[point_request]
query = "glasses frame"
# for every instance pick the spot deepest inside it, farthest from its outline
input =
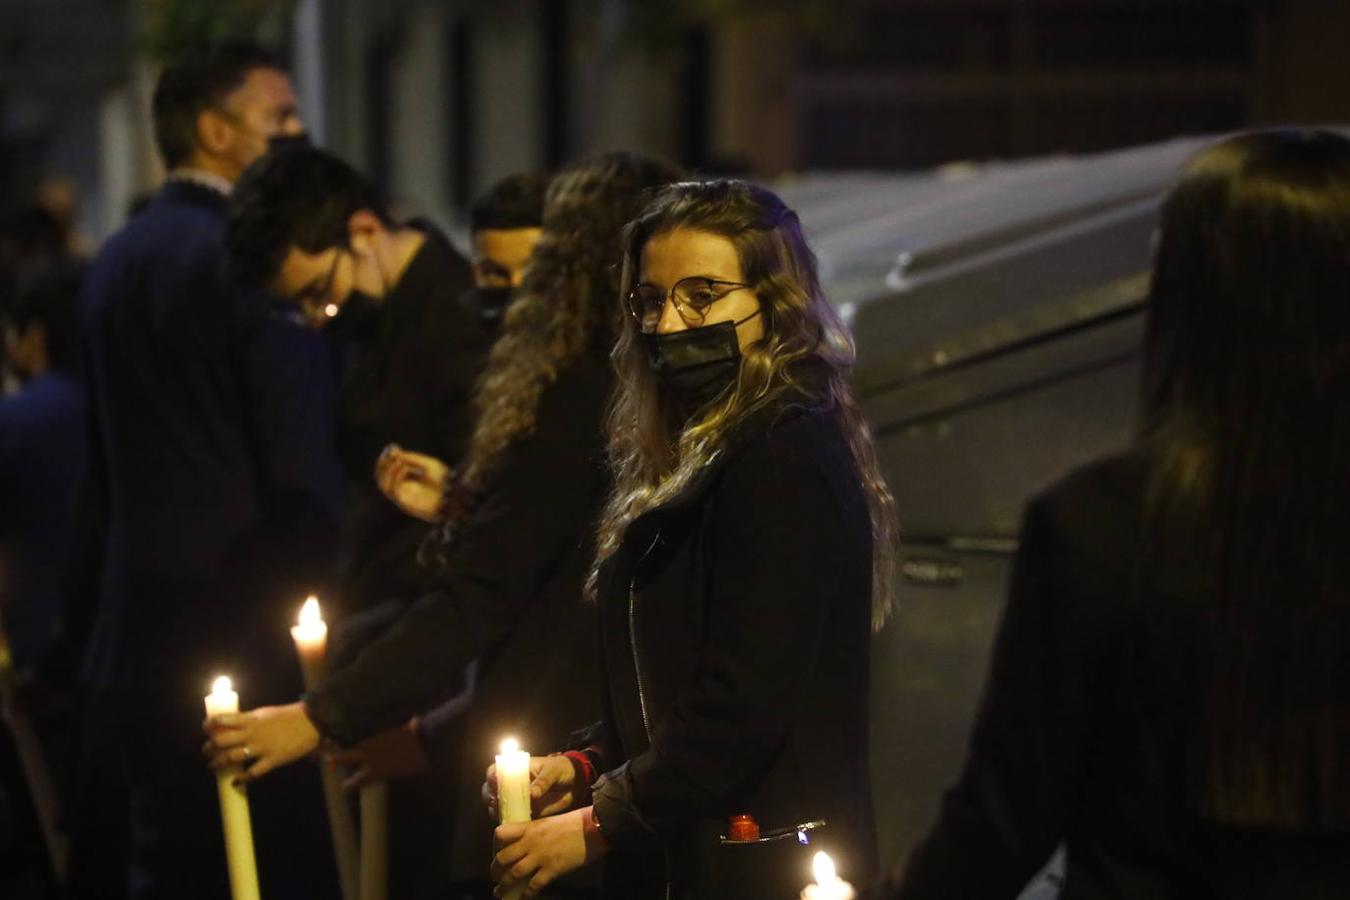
(318, 295)
(691, 315)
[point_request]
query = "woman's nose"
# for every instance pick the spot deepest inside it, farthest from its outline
(671, 320)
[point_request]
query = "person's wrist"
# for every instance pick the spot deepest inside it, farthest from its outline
(596, 842)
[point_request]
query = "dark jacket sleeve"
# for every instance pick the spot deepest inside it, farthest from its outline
(778, 523)
(1004, 817)
(506, 552)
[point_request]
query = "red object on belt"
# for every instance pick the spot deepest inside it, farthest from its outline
(742, 828)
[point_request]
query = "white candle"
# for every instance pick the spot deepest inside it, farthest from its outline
(234, 816)
(513, 782)
(374, 841)
(513, 790)
(310, 634)
(828, 886)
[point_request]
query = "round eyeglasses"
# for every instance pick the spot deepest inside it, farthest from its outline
(692, 296)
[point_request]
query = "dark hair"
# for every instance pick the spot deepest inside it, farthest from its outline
(567, 308)
(46, 293)
(517, 201)
(1247, 427)
(295, 197)
(198, 80)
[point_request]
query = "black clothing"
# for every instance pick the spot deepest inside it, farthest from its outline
(1080, 740)
(510, 596)
(213, 489)
(409, 382)
(736, 625)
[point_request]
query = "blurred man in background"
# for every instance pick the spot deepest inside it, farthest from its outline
(212, 503)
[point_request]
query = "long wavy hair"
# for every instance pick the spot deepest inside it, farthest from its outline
(564, 310)
(1247, 426)
(656, 448)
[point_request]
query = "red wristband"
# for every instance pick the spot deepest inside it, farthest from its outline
(582, 762)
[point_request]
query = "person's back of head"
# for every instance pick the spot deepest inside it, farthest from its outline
(39, 318)
(217, 106)
(1247, 426)
(516, 201)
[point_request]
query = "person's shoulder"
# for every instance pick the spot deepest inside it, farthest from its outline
(1094, 510)
(793, 451)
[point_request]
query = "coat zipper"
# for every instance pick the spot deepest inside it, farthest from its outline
(642, 697)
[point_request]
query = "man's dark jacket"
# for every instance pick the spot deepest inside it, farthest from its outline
(212, 475)
(409, 380)
(736, 622)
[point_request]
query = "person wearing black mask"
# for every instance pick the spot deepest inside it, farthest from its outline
(312, 230)
(209, 504)
(512, 540)
(745, 554)
(505, 222)
(315, 232)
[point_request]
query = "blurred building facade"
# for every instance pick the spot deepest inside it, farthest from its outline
(436, 98)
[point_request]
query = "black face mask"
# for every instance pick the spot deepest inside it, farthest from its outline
(358, 319)
(698, 364)
(492, 303)
(279, 142)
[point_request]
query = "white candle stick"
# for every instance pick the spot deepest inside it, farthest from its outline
(234, 817)
(310, 634)
(374, 841)
(513, 790)
(828, 886)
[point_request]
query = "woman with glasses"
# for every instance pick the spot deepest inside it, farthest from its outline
(514, 540)
(1170, 691)
(744, 557)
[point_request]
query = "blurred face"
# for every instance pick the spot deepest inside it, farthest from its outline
(321, 283)
(703, 273)
(262, 107)
(500, 255)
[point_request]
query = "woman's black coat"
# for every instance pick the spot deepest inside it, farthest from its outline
(510, 597)
(1081, 736)
(735, 628)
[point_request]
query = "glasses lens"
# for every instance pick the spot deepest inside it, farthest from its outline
(645, 304)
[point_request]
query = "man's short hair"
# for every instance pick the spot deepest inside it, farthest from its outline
(200, 79)
(516, 201)
(295, 197)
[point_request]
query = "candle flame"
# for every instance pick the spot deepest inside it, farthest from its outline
(510, 745)
(310, 614)
(823, 867)
(330, 310)
(222, 685)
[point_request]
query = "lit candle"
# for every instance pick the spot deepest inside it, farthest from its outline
(513, 790)
(828, 886)
(330, 310)
(234, 805)
(310, 634)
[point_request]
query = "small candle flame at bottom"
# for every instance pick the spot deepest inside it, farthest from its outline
(510, 745)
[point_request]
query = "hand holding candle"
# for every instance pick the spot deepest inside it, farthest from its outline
(234, 814)
(513, 791)
(828, 885)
